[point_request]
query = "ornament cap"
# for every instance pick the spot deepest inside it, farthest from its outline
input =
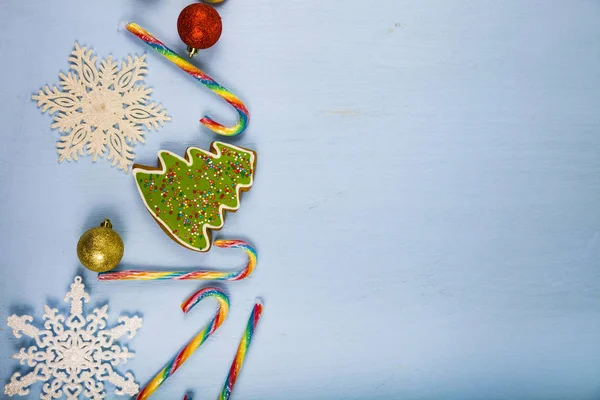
(191, 51)
(106, 223)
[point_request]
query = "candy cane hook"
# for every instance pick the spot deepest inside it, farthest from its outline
(191, 275)
(193, 344)
(243, 115)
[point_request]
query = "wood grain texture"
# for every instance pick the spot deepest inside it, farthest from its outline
(425, 212)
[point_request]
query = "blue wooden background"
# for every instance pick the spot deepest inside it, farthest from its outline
(425, 208)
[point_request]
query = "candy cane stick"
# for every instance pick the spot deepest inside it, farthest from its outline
(193, 344)
(191, 275)
(243, 115)
(240, 355)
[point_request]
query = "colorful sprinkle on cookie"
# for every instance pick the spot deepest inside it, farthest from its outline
(188, 196)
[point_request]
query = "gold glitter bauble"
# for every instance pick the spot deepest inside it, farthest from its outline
(100, 249)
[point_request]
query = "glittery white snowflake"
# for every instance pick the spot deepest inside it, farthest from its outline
(73, 355)
(101, 106)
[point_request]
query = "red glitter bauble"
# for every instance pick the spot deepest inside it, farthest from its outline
(199, 26)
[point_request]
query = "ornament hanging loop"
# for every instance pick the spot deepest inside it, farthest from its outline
(191, 51)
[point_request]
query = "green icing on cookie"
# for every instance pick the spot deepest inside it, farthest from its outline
(188, 196)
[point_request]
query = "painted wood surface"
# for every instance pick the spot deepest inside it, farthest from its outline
(425, 206)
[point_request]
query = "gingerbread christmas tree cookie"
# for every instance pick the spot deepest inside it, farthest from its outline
(188, 196)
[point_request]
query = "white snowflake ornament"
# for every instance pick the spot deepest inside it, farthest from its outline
(100, 107)
(73, 355)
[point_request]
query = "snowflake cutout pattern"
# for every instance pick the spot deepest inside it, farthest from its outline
(73, 355)
(101, 106)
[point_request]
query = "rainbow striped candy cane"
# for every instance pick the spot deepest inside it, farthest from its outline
(240, 355)
(191, 275)
(193, 344)
(243, 115)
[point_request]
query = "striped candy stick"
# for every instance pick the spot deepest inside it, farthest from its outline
(240, 274)
(210, 83)
(240, 355)
(196, 341)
